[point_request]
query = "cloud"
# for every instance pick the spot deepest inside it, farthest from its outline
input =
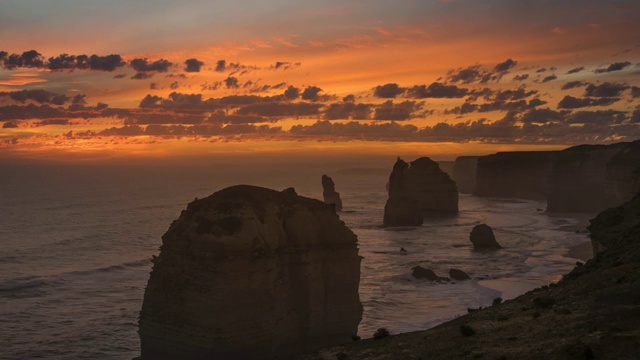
(604, 117)
(573, 84)
(518, 94)
(348, 109)
(231, 82)
(575, 70)
(221, 117)
(542, 116)
(505, 66)
(435, 90)
(606, 89)
(40, 96)
(519, 105)
(292, 93)
(635, 118)
(106, 63)
(549, 78)
(280, 109)
(284, 65)
(613, 67)
(311, 93)
(388, 91)
(469, 75)
(570, 102)
(635, 92)
(28, 59)
(221, 65)
(33, 59)
(146, 69)
(521, 77)
(401, 111)
(193, 65)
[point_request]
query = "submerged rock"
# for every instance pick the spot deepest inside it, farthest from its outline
(421, 273)
(251, 273)
(457, 274)
(482, 238)
(329, 193)
(417, 189)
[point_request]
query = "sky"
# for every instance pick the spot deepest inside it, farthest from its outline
(93, 80)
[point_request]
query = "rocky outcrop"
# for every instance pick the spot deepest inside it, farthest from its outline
(419, 189)
(446, 167)
(457, 274)
(622, 179)
(419, 272)
(251, 273)
(464, 173)
(482, 238)
(523, 174)
(577, 181)
(329, 193)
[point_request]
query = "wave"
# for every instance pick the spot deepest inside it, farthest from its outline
(15, 286)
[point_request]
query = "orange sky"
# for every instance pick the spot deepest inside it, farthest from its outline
(452, 77)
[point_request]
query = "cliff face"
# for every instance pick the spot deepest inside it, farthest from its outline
(577, 182)
(622, 180)
(464, 173)
(419, 188)
(250, 273)
(514, 174)
(329, 193)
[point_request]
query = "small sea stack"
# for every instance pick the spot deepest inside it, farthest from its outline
(251, 273)
(482, 238)
(419, 189)
(331, 196)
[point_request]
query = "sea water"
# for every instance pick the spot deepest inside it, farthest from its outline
(76, 243)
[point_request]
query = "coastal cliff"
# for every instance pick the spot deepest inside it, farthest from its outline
(622, 180)
(592, 313)
(251, 273)
(464, 173)
(416, 189)
(578, 177)
(521, 174)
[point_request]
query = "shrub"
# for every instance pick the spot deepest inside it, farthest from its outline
(381, 334)
(497, 301)
(466, 330)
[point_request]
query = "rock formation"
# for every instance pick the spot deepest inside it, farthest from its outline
(482, 238)
(622, 180)
(577, 182)
(416, 189)
(521, 174)
(457, 274)
(250, 273)
(464, 173)
(419, 272)
(329, 193)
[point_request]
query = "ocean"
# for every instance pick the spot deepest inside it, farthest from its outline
(76, 243)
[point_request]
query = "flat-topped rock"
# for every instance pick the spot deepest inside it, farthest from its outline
(251, 273)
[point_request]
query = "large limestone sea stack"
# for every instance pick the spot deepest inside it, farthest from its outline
(416, 189)
(251, 273)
